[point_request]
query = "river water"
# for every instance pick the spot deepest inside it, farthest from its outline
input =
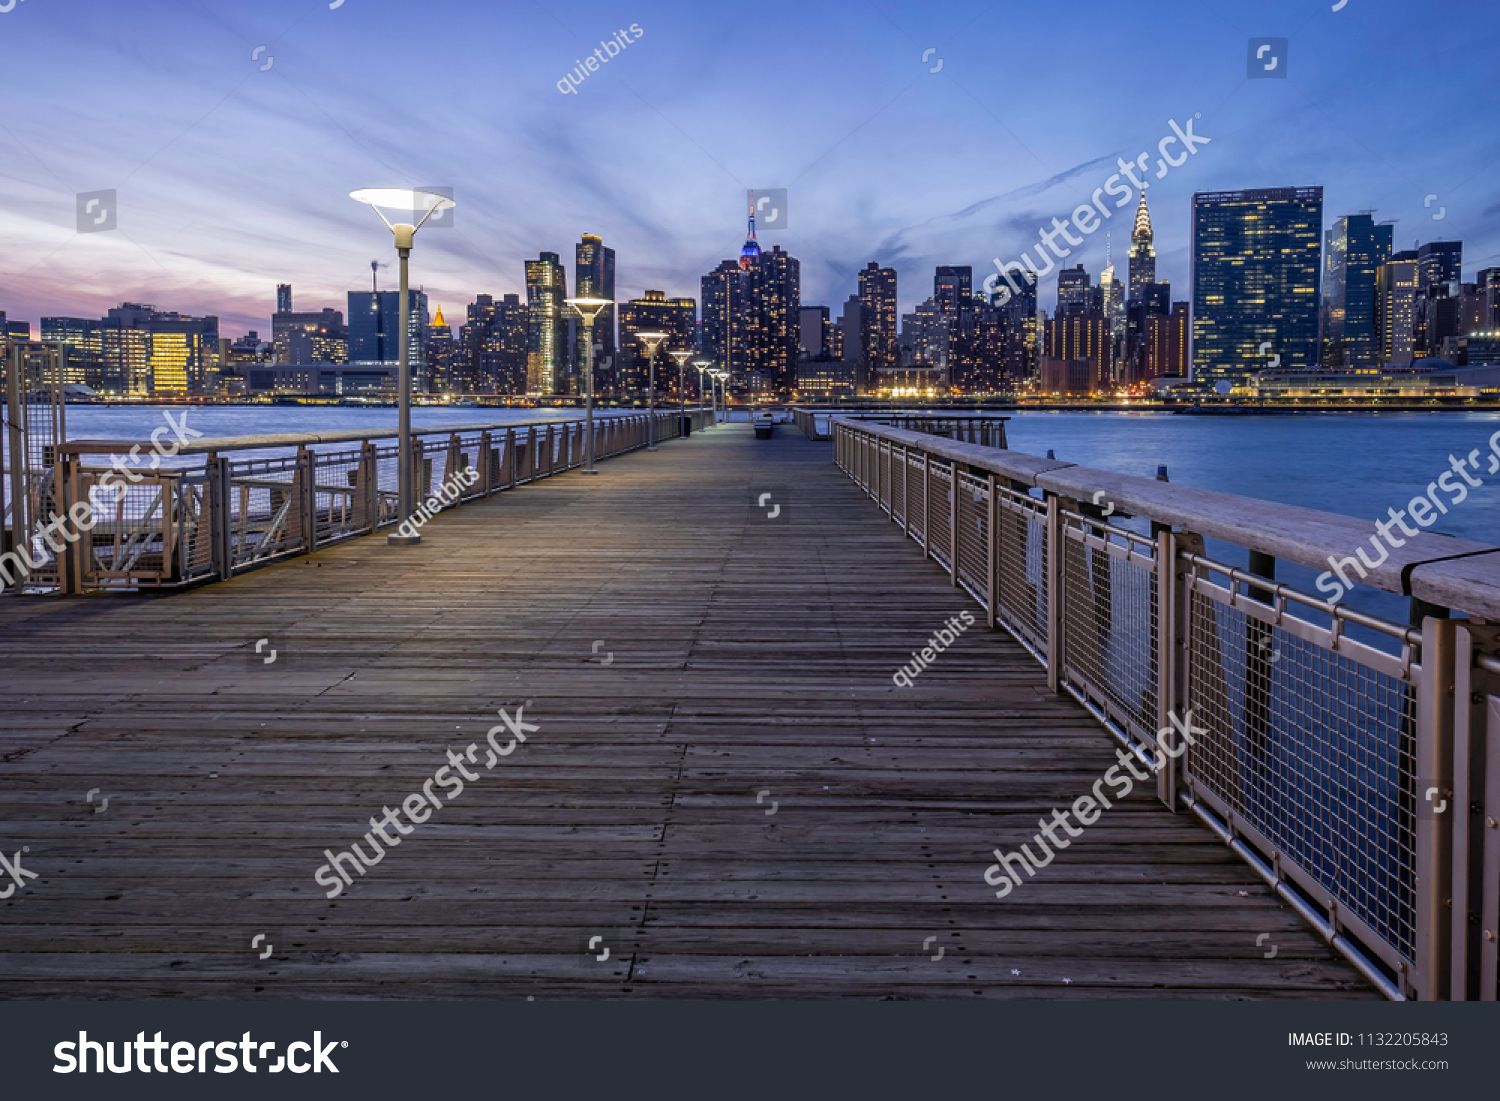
(1357, 464)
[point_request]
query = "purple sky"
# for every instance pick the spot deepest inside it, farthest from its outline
(233, 178)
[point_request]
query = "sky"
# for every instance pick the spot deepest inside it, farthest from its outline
(233, 164)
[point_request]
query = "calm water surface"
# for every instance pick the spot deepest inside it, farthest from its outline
(1357, 464)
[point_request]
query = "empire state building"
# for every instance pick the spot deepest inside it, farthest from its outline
(1142, 256)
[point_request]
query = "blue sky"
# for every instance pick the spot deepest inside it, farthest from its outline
(232, 178)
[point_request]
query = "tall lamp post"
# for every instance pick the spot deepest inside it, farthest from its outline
(702, 365)
(722, 375)
(589, 309)
(413, 201)
(652, 342)
(681, 358)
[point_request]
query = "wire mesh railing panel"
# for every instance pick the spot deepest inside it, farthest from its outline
(883, 460)
(899, 479)
(131, 540)
(973, 529)
(1313, 748)
(340, 495)
(195, 512)
(1109, 607)
(916, 497)
(940, 496)
(1021, 565)
(265, 518)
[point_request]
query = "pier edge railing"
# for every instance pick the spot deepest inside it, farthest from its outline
(237, 509)
(1354, 763)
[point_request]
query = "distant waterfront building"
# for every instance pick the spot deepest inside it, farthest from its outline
(850, 336)
(547, 350)
(594, 277)
(878, 344)
(283, 298)
(1142, 257)
(1396, 299)
(1255, 275)
(1018, 320)
(952, 287)
(1075, 335)
(309, 337)
(85, 347)
(1355, 247)
(1072, 290)
(375, 330)
(813, 325)
(442, 356)
(146, 351)
(1438, 263)
(491, 356)
(655, 312)
(779, 286)
(751, 321)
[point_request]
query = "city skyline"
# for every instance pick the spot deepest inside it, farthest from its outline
(233, 178)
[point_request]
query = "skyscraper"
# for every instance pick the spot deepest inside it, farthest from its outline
(655, 312)
(1072, 290)
(492, 358)
(283, 298)
(1142, 257)
(878, 316)
(750, 319)
(309, 337)
(952, 286)
(779, 283)
(751, 252)
(1396, 295)
(1355, 247)
(1255, 270)
(375, 331)
(547, 344)
(594, 277)
(1018, 360)
(1439, 262)
(813, 326)
(442, 357)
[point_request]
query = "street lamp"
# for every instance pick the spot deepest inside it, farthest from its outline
(652, 342)
(722, 375)
(681, 358)
(589, 309)
(413, 201)
(702, 365)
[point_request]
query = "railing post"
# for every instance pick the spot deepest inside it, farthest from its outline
(992, 553)
(70, 563)
(953, 522)
(369, 483)
(926, 503)
(487, 460)
(221, 495)
(1054, 592)
(1476, 823)
(1435, 811)
(305, 505)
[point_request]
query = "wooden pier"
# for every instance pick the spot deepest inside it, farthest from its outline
(725, 788)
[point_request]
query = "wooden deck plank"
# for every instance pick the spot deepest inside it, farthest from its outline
(744, 655)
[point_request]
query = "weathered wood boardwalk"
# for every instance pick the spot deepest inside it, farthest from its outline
(683, 652)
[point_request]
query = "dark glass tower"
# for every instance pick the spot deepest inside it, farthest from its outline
(1355, 247)
(1255, 257)
(594, 277)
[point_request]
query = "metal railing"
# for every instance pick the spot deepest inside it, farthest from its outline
(1353, 762)
(241, 502)
(979, 427)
